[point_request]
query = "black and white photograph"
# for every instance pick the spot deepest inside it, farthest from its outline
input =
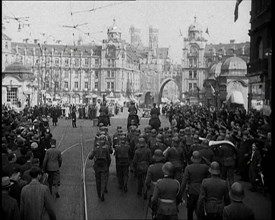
(139, 109)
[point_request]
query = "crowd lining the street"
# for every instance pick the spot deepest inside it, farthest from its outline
(26, 141)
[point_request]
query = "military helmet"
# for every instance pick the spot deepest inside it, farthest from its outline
(168, 169)
(215, 168)
(196, 157)
(237, 192)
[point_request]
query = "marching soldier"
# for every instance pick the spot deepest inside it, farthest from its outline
(213, 195)
(102, 162)
(193, 176)
(176, 156)
(166, 195)
(159, 144)
(122, 154)
(116, 137)
(237, 209)
(141, 161)
(154, 173)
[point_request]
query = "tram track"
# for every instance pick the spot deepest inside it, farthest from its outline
(83, 176)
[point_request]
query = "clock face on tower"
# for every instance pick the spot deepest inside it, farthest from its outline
(111, 51)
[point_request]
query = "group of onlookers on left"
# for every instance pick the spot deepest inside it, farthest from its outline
(30, 167)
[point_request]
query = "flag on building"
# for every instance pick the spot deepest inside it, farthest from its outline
(207, 31)
(212, 88)
(236, 13)
(180, 34)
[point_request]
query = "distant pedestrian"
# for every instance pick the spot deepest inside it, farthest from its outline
(36, 202)
(9, 208)
(73, 115)
(51, 165)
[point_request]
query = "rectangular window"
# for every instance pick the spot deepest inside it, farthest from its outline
(112, 85)
(195, 74)
(96, 62)
(76, 85)
(108, 74)
(12, 96)
(76, 74)
(86, 61)
(76, 61)
(96, 74)
(109, 63)
(56, 61)
(66, 73)
(56, 85)
(6, 60)
(47, 84)
(190, 86)
(6, 45)
(190, 74)
(190, 62)
(108, 85)
(195, 62)
(113, 63)
(66, 85)
(113, 74)
(195, 85)
(66, 61)
(96, 85)
(86, 85)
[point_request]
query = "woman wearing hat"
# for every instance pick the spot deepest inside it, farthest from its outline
(10, 209)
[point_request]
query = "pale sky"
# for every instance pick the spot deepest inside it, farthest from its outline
(168, 16)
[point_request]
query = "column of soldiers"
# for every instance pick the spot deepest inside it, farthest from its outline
(171, 167)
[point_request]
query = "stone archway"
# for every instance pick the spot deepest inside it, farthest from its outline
(176, 80)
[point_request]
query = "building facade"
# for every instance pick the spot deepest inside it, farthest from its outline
(193, 64)
(260, 65)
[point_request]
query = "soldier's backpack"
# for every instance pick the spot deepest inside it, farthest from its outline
(100, 153)
(123, 151)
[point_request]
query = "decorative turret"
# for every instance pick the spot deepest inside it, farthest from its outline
(114, 32)
(194, 30)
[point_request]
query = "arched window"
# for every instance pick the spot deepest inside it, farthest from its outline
(259, 51)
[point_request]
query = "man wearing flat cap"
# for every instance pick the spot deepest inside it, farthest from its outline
(51, 165)
(10, 209)
(193, 175)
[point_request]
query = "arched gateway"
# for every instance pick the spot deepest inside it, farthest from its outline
(176, 79)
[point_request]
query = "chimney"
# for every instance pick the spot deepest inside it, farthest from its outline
(232, 41)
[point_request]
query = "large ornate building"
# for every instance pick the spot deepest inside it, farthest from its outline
(193, 64)
(76, 74)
